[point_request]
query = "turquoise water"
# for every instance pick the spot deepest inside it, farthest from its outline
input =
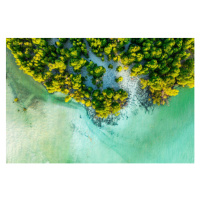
(51, 131)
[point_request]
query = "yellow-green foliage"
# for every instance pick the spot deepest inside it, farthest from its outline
(16, 99)
(166, 63)
(119, 68)
(108, 102)
(76, 81)
(77, 64)
(159, 88)
(186, 75)
(56, 83)
(119, 79)
(126, 67)
(88, 103)
(60, 65)
(67, 98)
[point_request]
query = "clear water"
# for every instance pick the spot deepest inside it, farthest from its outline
(51, 131)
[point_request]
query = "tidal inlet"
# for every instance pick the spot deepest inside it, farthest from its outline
(100, 100)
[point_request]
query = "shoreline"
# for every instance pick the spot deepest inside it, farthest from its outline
(57, 134)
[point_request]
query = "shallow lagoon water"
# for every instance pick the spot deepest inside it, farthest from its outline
(52, 131)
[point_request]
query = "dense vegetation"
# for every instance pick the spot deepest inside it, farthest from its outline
(167, 62)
